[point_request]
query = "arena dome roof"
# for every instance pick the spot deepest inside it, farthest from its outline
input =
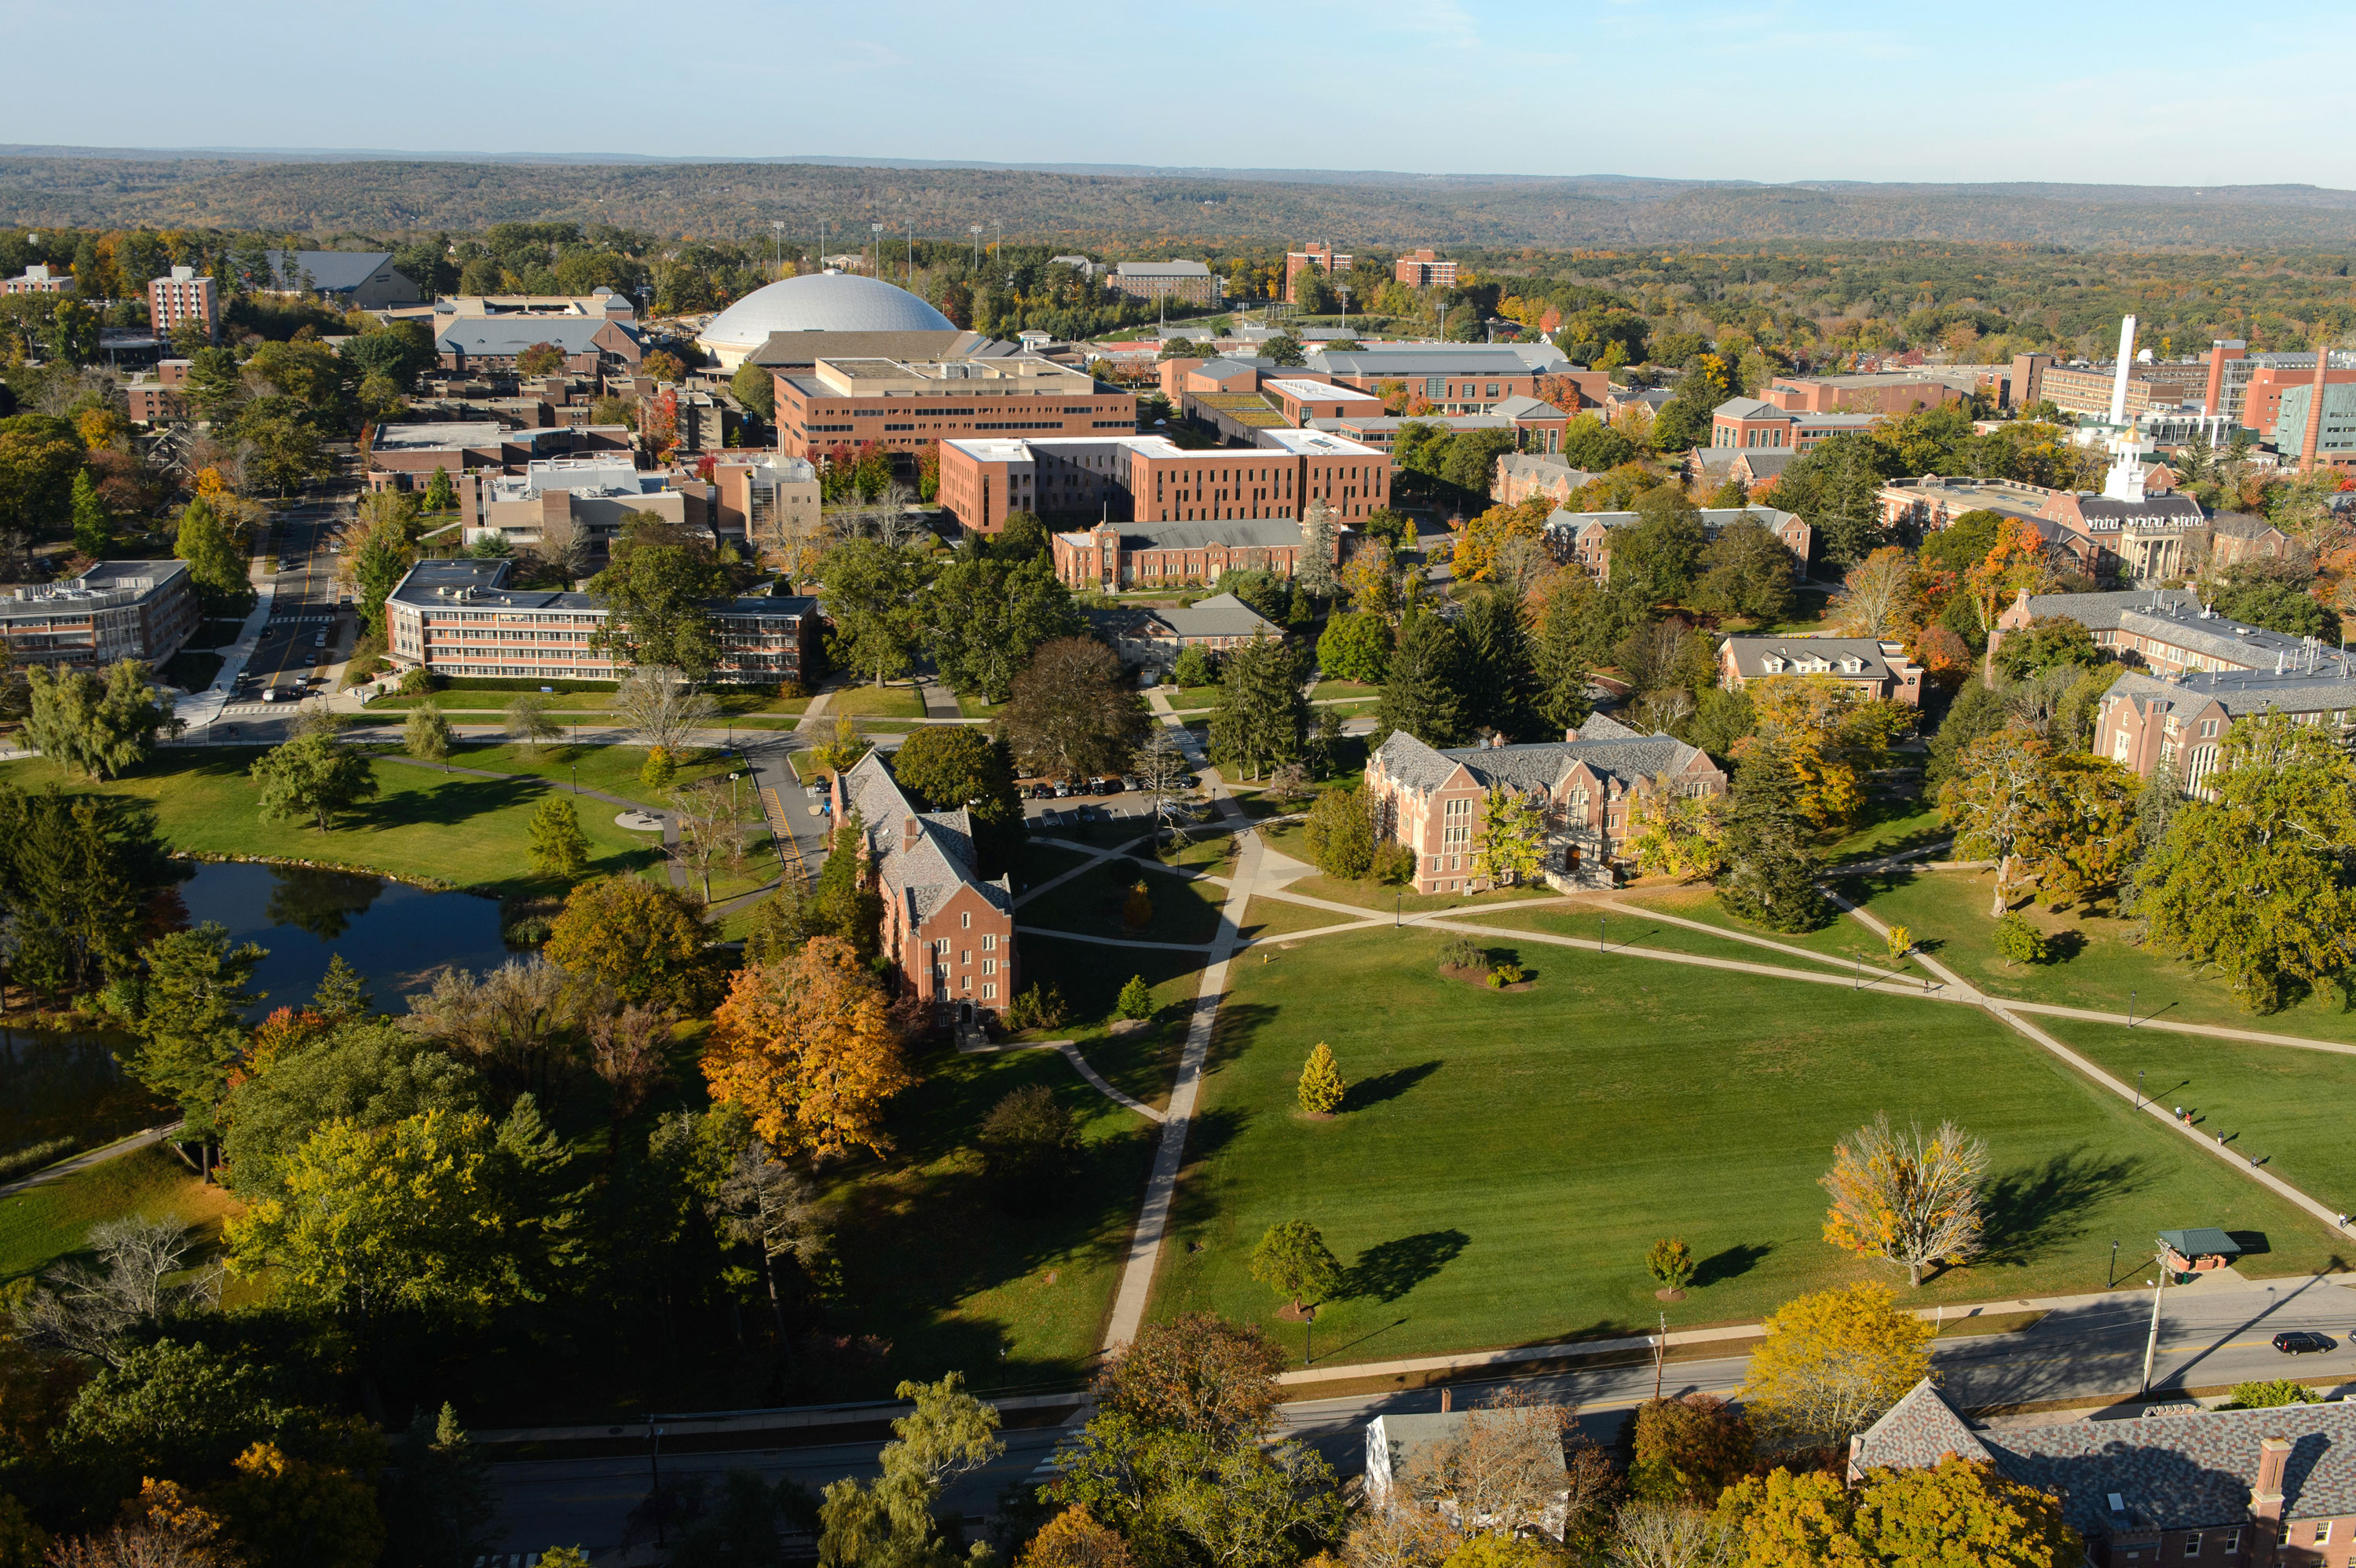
(821, 301)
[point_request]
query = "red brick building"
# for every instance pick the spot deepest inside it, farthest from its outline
(1149, 479)
(1424, 269)
(1872, 667)
(1318, 254)
(948, 933)
(1740, 422)
(908, 407)
(39, 278)
(180, 298)
(1584, 787)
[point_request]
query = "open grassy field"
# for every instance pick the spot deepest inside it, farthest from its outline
(613, 769)
(1326, 690)
(2095, 962)
(877, 702)
(1842, 938)
(2277, 1104)
(1888, 825)
(1269, 918)
(46, 1226)
(1093, 903)
(1506, 1158)
(423, 824)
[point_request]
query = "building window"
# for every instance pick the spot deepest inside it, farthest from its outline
(2233, 1542)
(2192, 1544)
(990, 993)
(965, 919)
(990, 966)
(989, 942)
(2322, 1531)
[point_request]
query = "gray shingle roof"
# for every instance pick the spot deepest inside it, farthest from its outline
(1625, 756)
(1522, 407)
(1750, 655)
(1229, 532)
(1221, 616)
(926, 873)
(2243, 692)
(1917, 1433)
(501, 334)
(2192, 1470)
(1469, 360)
(2100, 611)
(332, 272)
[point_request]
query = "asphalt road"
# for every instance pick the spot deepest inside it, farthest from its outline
(2210, 1336)
(302, 603)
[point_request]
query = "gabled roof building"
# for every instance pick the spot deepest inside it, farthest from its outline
(948, 931)
(1585, 788)
(1586, 536)
(2228, 1486)
(1875, 667)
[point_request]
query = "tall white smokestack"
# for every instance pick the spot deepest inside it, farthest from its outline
(2119, 382)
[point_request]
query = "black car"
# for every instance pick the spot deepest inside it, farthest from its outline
(2299, 1342)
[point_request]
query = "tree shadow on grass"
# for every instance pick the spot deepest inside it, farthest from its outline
(1388, 1085)
(1732, 1263)
(1388, 1270)
(2027, 1211)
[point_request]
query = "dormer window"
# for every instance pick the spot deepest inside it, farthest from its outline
(1852, 666)
(1773, 663)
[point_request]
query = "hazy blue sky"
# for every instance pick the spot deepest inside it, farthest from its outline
(2163, 93)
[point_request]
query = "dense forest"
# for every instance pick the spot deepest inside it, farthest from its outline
(1157, 210)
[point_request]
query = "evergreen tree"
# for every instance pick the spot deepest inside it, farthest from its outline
(187, 1010)
(1136, 1001)
(1262, 720)
(1420, 693)
(93, 531)
(1769, 876)
(1564, 650)
(340, 996)
(557, 843)
(1317, 535)
(1322, 1089)
(443, 1513)
(1498, 680)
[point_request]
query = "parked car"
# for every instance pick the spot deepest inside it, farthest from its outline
(1108, 787)
(1062, 791)
(2299, 1342)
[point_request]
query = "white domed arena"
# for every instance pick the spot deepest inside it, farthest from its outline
(821, 301)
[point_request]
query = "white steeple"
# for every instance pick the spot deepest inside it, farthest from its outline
(2128, 449)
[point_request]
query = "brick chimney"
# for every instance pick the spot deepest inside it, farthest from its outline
(2267, 1496)
(2314, 436)
(910, 831)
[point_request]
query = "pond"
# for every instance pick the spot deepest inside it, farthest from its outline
(394, 935)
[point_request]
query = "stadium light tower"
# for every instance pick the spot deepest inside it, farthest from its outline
(975, 230)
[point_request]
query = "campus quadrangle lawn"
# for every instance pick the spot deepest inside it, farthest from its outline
(1504, 1160)
(423, 824)
(2096, 962)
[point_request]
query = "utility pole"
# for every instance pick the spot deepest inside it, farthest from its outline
(2151, 1342)
(1660, 1355)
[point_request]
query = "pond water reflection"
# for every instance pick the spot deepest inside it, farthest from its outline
(393, 934)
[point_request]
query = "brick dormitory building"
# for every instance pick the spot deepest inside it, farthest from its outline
(463, 618)
(1160, 514)
(144, 609)
(948, 931)
(906, 407)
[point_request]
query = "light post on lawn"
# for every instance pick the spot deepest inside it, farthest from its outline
(2138, 1088)
(2111, 1274)
(654, 1464)
(2131, 1007)
(1308, 1334)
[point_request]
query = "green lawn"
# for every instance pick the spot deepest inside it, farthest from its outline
(46, 1226)
(1265, 918)
(1625, 930)
(2277, 1104)
(1044, 862)
(613, 769)
(1507, 1159)
(974, 706)
(2096, 965)
(1187, 697)
(1842, 938)
(1141, 1063)
(424, 825)
(1092, 904)
(876, 702)
(1891, 824)
(1327, 688)
(930, 1263)
(57, 1086)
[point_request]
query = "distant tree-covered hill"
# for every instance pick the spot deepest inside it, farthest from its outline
(1143, 210)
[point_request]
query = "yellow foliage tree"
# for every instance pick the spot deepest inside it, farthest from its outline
(805, 1046)
(1073, 1539)
(1900, 1196)
(1834, 735)
(1833, 1362)
(1475, 555)
(291, 1513)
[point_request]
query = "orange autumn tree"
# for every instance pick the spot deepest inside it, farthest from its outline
(805, 1046)
(2016, 561)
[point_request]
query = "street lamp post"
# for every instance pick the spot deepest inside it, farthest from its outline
(1308, 1335)
(654, 1465)
(975, 230)
(2111, 1274)
(1601, 921)
(877, 229)
(2131, 1007)
(2151, 1341)
(2138, 1088)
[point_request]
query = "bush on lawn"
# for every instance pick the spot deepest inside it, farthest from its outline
(1136, 1001)
(1029, 1145)
(2272, 1393)
(1463, 953)
(1394, 863)
(2021, 941)
(1041, 1006)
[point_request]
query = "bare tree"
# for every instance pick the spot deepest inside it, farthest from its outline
(564, 544)
(90, 1311)
(1872, 595)
(528, 724)
(1520, 566)
(1505, 1471)
(711, 833)
(169, 1545)
(1398, 1533)
(625, 1050)
(1912, 1199)
(886, 517)
(764, 1203)
(662, 706)
(1670, 1535)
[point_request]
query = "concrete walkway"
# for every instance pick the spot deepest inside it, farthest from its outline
(1071, 1051)
(89, 1157)
(1162, 1185)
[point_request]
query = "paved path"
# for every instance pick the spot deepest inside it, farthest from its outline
(1071, 1051)
(1162, 1185)
(82, 1162)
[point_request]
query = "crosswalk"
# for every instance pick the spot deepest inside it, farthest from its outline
(300, 620)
